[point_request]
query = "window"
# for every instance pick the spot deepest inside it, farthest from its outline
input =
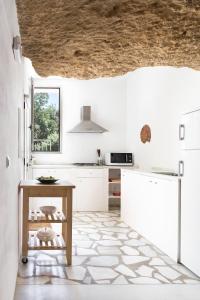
(45, 120)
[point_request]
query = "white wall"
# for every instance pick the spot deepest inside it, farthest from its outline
(107, 98)
(157, 96)
(11, 97)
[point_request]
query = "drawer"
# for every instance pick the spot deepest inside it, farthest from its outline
(64, 174)
(43, 172)
(81, 173)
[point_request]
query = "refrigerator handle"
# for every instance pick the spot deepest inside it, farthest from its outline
(181, 168)
(181, 132)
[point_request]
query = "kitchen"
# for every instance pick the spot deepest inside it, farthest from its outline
(127, 228)
(148, 193)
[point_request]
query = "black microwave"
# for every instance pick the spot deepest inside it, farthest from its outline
(119, 159)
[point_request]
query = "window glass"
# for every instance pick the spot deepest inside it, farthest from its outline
(46, 120)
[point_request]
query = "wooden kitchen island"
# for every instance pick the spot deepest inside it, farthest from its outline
(63, 189)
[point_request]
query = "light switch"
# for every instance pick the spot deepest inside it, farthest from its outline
(7, 161)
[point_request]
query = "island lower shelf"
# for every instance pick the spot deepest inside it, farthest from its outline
(34, 243)
(35, 216)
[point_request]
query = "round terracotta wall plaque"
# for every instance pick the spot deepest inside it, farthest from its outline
(145, 134)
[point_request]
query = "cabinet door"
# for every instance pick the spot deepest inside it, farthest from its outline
(126, 195)
(191, 134)
(43, 172)
(163, 216)
(190, 210)
(91, 194)
(144, 206)
(130, 206)
(150, 206)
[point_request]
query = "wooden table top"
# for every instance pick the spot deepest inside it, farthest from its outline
(35, 183)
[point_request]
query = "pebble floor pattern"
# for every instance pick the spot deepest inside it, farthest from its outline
(105, 251)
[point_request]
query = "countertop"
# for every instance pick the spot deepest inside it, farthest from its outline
(153, 173)
(145, 172)
(72, 166)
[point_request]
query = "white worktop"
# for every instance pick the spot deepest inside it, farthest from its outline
(152, 173)
(129, 168)
(70, 166)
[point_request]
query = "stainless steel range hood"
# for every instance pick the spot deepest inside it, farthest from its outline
(87, 125)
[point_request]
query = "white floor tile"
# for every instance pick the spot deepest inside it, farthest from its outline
(103, 261)
(75, 273)
(99, 273)
(125, 271)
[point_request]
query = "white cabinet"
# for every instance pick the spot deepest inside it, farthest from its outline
(129, 184)
(91, 190)
(150, 205)
(190, 208)
(65, 174)
(90, 194)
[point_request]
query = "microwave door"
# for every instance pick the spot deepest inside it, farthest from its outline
(119, 158)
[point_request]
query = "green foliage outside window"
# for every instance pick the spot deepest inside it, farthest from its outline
(46, 120)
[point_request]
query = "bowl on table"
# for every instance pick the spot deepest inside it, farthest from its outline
(48, 209)
(47, 179)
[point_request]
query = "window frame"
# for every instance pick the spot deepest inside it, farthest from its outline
(32, 119)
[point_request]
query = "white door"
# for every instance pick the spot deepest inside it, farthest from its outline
(190, 131)
(190, 211)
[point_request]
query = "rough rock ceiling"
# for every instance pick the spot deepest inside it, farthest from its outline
(95, 38)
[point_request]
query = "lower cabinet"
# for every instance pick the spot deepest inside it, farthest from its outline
(150, 205)
(90, 194)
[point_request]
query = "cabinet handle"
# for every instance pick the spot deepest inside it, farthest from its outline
(181, 168)
(181, 132)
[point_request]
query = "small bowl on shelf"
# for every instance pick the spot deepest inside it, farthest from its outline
(116, 194)
(45, 234)
(117, 180)
(48, 209)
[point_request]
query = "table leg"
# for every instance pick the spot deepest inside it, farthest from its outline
(69, 227)
(25, 224)
(64, 209)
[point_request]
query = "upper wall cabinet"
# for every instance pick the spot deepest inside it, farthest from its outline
(189, 131)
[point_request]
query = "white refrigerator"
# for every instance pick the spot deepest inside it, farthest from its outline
(189, 169)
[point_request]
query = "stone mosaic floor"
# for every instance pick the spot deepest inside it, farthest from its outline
(105, 251)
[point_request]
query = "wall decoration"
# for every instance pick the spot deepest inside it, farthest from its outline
(145, 134)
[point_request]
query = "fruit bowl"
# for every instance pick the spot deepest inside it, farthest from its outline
(47, 179)
(48, 209)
